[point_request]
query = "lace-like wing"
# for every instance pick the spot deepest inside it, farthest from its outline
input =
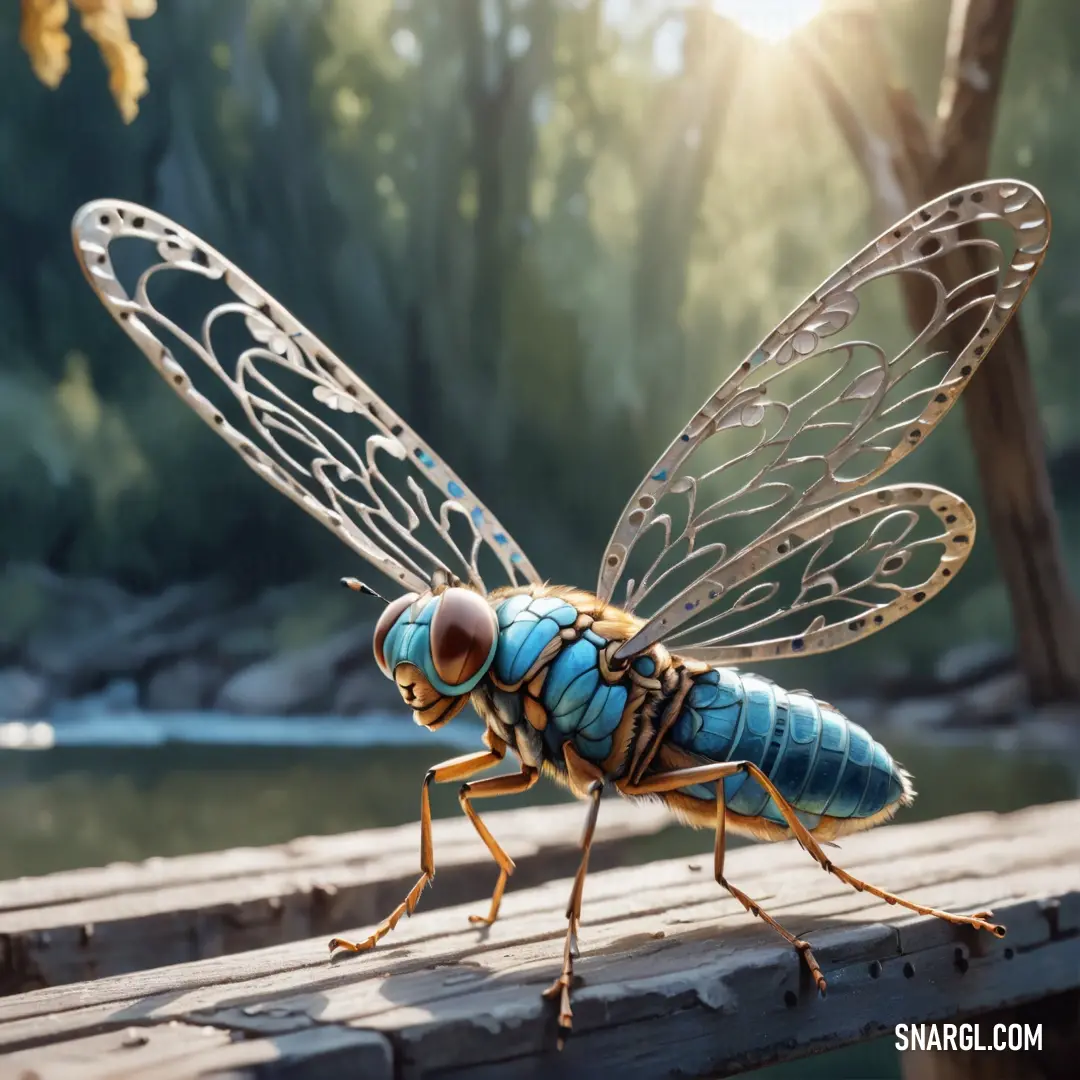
(815, 413)
(295, 397)
(840, 573)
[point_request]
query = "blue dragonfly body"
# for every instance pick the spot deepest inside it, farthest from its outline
(826, 767)
(648, 695)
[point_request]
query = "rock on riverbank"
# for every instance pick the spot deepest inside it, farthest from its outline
(304, 650)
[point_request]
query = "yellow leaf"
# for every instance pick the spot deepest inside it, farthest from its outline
(106, 21)
(43, 37)
(130, 9)
(106, 24)
(139, 9)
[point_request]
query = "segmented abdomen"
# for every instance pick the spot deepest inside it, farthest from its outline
(821, 762)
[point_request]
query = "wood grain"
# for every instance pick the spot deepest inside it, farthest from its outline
(677, 979)
(86, 924)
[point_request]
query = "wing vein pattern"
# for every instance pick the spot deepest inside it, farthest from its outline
(804, 423)
(293, 393)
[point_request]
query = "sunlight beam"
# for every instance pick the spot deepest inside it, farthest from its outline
(769, 20)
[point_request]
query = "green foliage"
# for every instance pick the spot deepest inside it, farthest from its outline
(541, 247)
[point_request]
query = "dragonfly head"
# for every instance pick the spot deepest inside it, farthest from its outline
(436, 646)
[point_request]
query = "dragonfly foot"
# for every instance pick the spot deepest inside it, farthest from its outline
(979, 921)
(352, 946)
(560, 988)
(804, 950)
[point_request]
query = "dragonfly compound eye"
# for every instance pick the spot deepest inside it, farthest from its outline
(463, 633)
(390, 615)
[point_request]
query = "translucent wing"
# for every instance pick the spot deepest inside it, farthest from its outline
(296, 398)
(839, 573)
(815, 412)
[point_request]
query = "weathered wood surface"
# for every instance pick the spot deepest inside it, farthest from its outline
(677, 979)
(86, 924)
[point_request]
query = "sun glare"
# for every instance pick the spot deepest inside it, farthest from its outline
(769, 20)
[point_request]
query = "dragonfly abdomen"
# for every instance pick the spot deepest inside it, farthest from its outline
(823, 764)
(549, 688)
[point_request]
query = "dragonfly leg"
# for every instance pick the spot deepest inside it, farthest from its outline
(513, 784)
(445, 772)
(588, 781)
(699, 774)
(679, 778)
(979, 920)
(801, 947)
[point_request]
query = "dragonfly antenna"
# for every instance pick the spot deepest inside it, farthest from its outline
(359, 586)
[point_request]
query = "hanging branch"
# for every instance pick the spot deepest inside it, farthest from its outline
(915, 163)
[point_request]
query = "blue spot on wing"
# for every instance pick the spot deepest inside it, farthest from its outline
(455, 489)
(516, 557)
(500, 538)
(660, 476)
(425, 457)
(477, 515)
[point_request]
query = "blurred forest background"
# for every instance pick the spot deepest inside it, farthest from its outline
(543, 229)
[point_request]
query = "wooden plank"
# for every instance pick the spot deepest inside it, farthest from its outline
(177, 1050)
(676, 977)
(86, 924)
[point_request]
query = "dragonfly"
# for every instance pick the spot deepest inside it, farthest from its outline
(761, 540)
